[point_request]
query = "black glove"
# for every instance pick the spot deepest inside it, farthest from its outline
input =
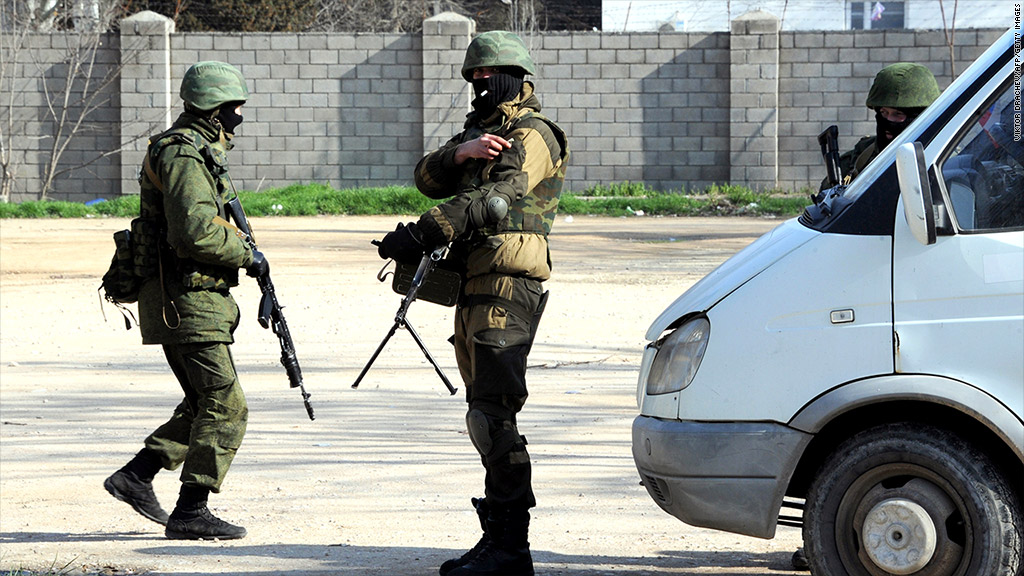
(405, 244)
(259, 267)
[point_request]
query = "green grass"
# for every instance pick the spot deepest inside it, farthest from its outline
(624, 199)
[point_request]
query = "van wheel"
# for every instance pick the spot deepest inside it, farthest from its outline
(911, 499)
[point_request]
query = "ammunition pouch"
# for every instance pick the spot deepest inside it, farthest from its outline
(146, 236)
(120, 285)
(441, 286)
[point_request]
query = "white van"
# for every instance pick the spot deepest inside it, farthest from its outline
(864, 362)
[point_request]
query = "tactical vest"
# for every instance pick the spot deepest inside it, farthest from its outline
(194, 275)
(535, 212)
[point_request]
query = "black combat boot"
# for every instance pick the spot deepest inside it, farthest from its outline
(192, 520)
(506, 554)
(133, 484)
(481, 511)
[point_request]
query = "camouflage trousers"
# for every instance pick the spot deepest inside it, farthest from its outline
(494, 329)
(208, 425)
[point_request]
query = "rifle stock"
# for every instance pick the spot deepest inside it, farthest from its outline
(270, 314)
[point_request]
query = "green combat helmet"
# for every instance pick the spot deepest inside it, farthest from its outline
(496, 49)
(903, 85)
(207, 85)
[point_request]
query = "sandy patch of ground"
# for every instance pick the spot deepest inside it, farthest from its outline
(380, 482)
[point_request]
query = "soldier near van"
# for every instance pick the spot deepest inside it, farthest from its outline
(898, 95)
(503, 174)
(185, 305)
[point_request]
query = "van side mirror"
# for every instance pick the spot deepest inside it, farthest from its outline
(916, 192)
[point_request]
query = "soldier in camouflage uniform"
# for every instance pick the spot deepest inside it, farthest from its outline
(898, 95)
(503, 174)
(189, 262)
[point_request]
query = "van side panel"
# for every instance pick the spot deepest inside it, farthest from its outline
(959, 307)
(775, 343)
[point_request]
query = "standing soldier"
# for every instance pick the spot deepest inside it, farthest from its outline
(189, 264)
(898, 95)
(504, 175)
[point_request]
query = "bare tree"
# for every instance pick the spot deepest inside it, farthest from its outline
(373, 15)
(950, 32)
(41, 14)
(81, 91)
(522, 16)
(12, 39)
(73, 89)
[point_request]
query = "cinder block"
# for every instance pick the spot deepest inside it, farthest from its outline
(323, 56)
(615, 41)
(809, 40)
(869, 39)
(581, 41)
(369, 42)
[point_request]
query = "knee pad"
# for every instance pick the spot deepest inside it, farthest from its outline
(496, 439)
(479, 432)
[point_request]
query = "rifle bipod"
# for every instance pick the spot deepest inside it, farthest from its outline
(426, 266)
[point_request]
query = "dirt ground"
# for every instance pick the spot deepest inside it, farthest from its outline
(380, 483)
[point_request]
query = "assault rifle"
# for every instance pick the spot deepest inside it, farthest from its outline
(829, 142)
(270, 311)
(426, 266)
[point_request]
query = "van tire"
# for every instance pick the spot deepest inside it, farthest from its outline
(928, 475)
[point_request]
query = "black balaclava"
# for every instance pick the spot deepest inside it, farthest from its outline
(229, 120)
(883, 125)
(493, 90)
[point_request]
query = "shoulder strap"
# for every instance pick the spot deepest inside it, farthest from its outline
(153, 178)
(535, 119)
(155, 145)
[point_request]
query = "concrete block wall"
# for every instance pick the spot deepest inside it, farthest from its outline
(146, 88)
(446, 94)
(338, 109)
(648, 108)
(35, 75)
(754, 110)
(671, 110)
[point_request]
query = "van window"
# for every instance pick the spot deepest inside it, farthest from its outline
(984, 173)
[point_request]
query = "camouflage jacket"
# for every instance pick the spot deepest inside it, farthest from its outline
(183, 190)
(528, 176)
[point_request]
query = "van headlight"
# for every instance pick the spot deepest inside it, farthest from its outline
(679, 355)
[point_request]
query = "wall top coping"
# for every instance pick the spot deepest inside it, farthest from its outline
(147, 16)
(756, 15)
(448, 17)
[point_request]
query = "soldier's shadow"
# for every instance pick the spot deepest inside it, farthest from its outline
(397, 560)
(26, 537)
